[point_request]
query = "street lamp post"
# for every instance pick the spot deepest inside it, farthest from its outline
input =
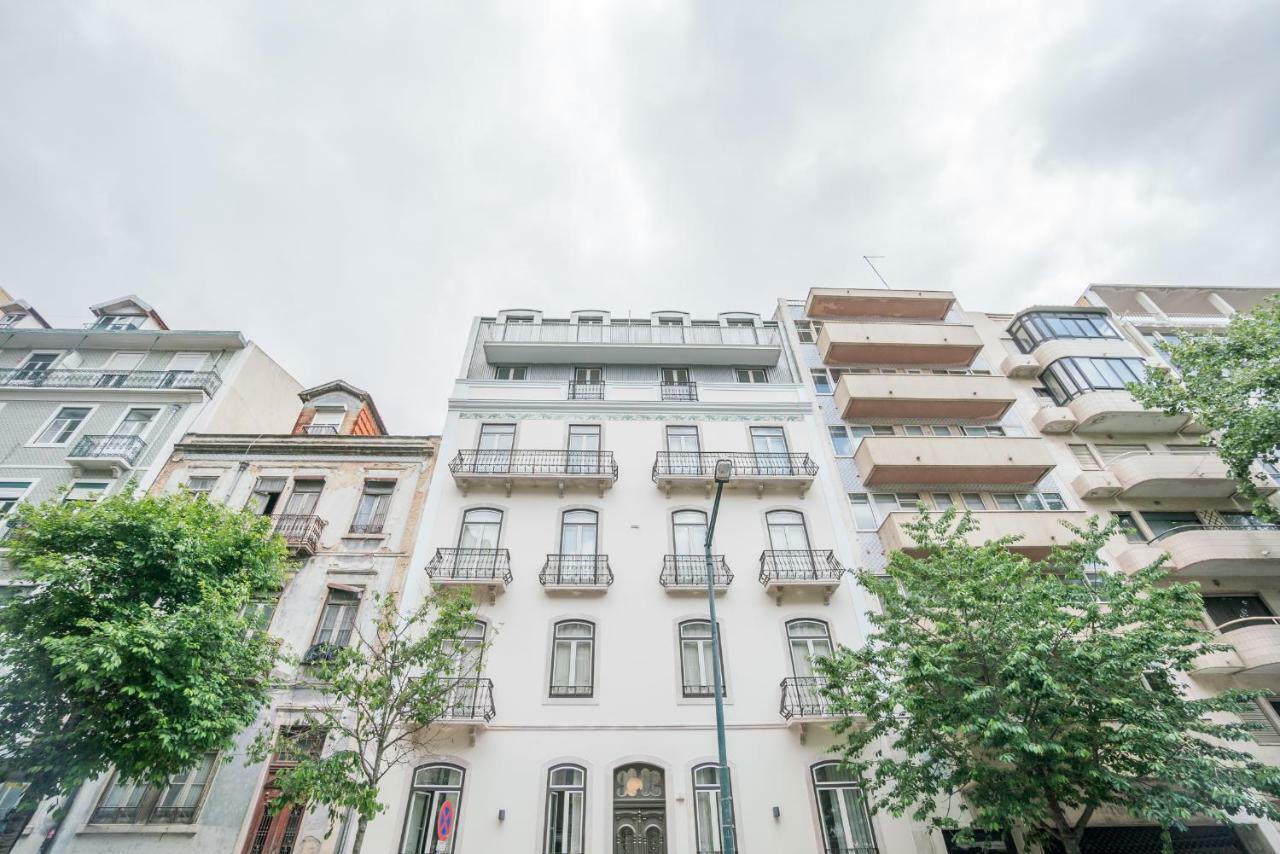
(723, 472)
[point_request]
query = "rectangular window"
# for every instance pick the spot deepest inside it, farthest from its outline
(119, 322)
(258, 614)
(11, 492)
(202, 484)
(973, 501)
(337, 620)
(140, 803)
(864, 518)
(327, 421)
(64, 425)
(1084, 457)
(804, 331)
(841, 442)
(136, 422)
(941, 430)
(371, 512)
(86, 492)
(696, 662)
(1229, 613)
(266, 495)
(8, 322)
(913, 430)
(751, 375)
(821, 381)
(511, 372)
(1160, 523)
(1129, 527)
(306, 494)
(1053, 501)
(942, 500)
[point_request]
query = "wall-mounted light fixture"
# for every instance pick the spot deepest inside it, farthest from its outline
(777, 813)
(502, 815)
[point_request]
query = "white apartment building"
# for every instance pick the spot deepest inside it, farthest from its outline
(1025, 420)
(573, 496)
(347, 496)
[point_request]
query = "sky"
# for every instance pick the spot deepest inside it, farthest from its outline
(349, 183)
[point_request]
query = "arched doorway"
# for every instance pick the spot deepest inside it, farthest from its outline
(639, 810)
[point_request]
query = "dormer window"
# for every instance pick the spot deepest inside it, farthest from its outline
(519, 318)
(591, 319)
(118, 322)
(327, 421)
(671, 321)
(10, 320)
(739, 321)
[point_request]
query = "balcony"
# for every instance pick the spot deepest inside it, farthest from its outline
(1209, 550)
(586, 391)
(1039, 531)
(944, 345)
(688, 574)
(205, 381)
(1255, 643)
(563, 573)
(801, 571)
(866, 303)
(560, 469)
(677, 469)
(978, 398)
(468, 704)
(113, 452)
(1005, 461)
(1109, 412)
(301, 533)
(627, 344)
(1171, 475)
(487, 570)
(804, 703)
(679, 391)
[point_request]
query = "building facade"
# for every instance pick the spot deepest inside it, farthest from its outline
(1025, 420)
(347, 497)
(574, 499)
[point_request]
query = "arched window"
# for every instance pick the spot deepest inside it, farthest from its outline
(689, 534)
(434, 786)
(787, 530)
(468, 652)
(572, 659)
(579, 533)
(696, 672)
(481, 529)
(706, 808)
(566, 807)
(807, 639)
(842, 810)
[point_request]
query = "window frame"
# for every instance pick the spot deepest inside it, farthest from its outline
(570, 691)
(147, 428)
(428, 821)
(685, 684)
(351, 607)
(712, 789)
(750, 374)
(568, 790)
(73, 436)
(151, 796)
(378, 515)
(511, 373)
(817, 787)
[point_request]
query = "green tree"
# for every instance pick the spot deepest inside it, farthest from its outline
(380, 696)
(129, 649)
(1032, 698)
(1230, 382)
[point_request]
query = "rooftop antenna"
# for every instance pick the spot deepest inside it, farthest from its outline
(869, 259)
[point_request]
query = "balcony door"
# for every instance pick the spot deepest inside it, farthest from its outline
(584, 449)
(689, 536)
(136, 422)
(683, 451)
(493, 452)
(1162, 523)
(33, 370)
(770, 447)
(808, 640)
(303, 500)
(436, 788)
(1229, 613)
(789, 540)
(468, 663)
(481, 529)
(675, 376)
(579, 543)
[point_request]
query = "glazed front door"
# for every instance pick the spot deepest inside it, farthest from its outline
(639, 830)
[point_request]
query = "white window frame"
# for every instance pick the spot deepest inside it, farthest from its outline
(92, 407)
(177, 357)
(78, 484)
(751, 373)
(511, 373)
(146, 432)
(571, 844)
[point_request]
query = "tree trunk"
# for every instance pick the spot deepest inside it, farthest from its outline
(1070, 844)
(361, 826)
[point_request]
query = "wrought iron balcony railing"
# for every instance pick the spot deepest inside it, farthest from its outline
(549, 464)
(206, 381)
(563, 570)
(124, 448)
(805, 697)
(490, 566)
(799, 566)
(699, 690)
(469, 700)
(711, 334)
(679, 391)
(301, 532)
(702, 464)
(690, 572)
(586, 391)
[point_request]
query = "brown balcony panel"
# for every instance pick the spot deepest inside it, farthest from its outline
(837, 303)
(1209, 550)
(971, 460)
(945, 345)
(977, 398)
(1040, 531)
(1156, 475)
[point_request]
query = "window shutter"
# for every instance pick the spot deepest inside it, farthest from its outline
(1110, 452)
(1255, 716)
(1084, 457)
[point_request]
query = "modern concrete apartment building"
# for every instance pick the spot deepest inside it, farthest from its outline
(347, 496)
(1024, 418)
(573, 498)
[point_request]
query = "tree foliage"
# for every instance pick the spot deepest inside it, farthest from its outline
(1015, 690)
(129, 649)
(380, 696)
(1230, 382)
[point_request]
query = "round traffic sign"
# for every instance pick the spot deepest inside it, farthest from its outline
(444, 821)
